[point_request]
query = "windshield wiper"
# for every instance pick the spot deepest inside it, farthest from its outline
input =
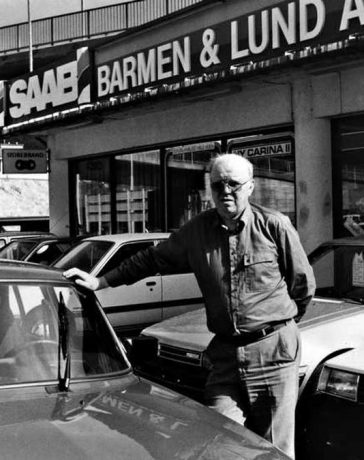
(64, 355)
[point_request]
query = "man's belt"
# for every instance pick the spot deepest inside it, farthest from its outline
(250, 337)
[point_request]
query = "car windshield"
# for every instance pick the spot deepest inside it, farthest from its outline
(44, 324)
(339, 271)
(17, 250)
(84, 255)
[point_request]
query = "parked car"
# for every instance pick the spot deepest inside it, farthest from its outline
(131, 308)
(8, 236)
(173, 351)
(335, 412)
(43, 249)
(67, 390)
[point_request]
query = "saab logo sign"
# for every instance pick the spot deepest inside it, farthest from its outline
(22, 161)
(49, 90)
(264, 150)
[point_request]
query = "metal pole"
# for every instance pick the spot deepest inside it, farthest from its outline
(30, 39)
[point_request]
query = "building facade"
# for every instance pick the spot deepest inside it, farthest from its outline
(278, 82)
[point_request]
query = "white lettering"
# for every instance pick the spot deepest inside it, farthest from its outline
(182, 57)
(264, 32)
(129, 70)
(67, 90)
(279, 24)
(17, 96)
(146, 68)
(319, 5)
(163, 60)
(116, 80)
(349, 12)
(235, 52)
(49, 88)
(103, 80)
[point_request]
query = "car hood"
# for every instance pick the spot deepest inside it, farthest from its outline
(126, 418)
(190, 331)
(351, 361)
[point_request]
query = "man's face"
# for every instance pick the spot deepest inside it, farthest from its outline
(231, 187)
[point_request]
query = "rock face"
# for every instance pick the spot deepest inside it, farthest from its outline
(24, 197)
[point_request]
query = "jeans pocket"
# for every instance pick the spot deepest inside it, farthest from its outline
(287, 344)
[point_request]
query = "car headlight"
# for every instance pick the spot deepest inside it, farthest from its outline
(339, 383)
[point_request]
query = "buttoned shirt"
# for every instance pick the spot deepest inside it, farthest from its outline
(249, 278)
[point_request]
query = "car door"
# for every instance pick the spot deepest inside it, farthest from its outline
(131, 308)
(180, 293)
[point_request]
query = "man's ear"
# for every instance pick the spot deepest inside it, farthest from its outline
(251, 187)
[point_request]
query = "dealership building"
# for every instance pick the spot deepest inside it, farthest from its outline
(130, 126)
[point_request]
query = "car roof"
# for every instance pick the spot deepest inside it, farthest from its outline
(24, 233)
(14, 270)
(126, 237)
(45, 239)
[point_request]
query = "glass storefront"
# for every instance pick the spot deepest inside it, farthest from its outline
(92, 193)
(138, 204)
(348, 180)
(188, 181)
(274, 169)
(161, 189)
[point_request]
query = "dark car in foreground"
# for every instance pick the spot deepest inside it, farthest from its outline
(67, 390)
(335, 413)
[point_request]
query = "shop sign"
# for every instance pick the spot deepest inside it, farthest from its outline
(260, 35)
(257, 36)
(265, 150)
(23, 161)
(49, 90)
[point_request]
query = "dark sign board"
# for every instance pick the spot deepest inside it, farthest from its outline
(260, 35)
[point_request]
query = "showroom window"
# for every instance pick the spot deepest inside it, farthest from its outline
(92, 195)
(348, 176)
(138, 192)
(274, 169)
(188, 181)
(132, 192)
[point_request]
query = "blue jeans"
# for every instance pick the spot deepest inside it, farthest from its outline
(257, 384)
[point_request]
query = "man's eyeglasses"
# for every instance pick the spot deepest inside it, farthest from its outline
(231, 185)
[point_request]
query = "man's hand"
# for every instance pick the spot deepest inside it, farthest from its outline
(84, 279)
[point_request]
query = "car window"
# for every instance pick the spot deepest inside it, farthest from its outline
(32, 341)
(2, 242)
(48, 252)
(124, 252)
(17, 250)
(84, 255)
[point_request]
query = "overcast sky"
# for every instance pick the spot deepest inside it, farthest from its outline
(15, 11)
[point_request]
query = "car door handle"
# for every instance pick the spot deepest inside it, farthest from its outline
(151, 283)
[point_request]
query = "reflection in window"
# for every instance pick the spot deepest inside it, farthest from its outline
(189, 181)
(348, 167)
(30, 339)
(93, 197)
(138, 192)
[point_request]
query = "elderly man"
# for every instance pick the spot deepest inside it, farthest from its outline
(256, 281)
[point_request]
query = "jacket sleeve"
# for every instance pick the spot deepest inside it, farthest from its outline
(295, 267)
(169, 256)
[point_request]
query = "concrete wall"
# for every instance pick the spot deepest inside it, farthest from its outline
(313, 169)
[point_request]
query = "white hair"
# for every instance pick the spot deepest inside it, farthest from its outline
(239, 162)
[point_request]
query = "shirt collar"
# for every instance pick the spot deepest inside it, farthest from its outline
(241, 221)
